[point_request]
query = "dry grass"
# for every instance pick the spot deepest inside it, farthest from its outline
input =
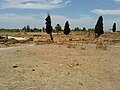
(101, 45)
(71, 46)
(74, 37)
(83, 47)
(68, 63)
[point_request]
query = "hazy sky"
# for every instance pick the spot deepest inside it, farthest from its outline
(79, 13)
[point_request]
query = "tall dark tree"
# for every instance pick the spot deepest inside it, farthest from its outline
(84, 29)
(28, 28)
(49, 28)
(99, 27)
(114, 27)
(66, 28)
(24, 29)
(43, 29)
(58, 28)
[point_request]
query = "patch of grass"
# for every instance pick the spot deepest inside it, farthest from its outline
(71, 46)
(101, 45)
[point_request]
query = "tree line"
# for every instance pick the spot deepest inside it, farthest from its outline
(49, 29)
(98, 27)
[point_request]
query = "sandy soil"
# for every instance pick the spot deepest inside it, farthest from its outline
(59, 67)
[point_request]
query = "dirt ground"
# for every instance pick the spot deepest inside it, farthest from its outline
(72, 62)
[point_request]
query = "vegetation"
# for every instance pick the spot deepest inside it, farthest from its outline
(49, 28)
(66, 28)
(28, 29)
(77, 29)
(84, 29)
(58, 28)
(91, 29)
(24, 29)
(9, 30)
(43, 29)
(114, 27)
(99, 27)
(36, 30)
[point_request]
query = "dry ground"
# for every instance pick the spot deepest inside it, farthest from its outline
(70, 63)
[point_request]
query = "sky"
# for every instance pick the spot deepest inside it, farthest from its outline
(79, 13)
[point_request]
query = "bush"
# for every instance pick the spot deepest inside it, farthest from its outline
(114, 27)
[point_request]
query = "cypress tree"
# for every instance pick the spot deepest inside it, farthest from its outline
(66, 28)
(49, 28)
(99, 27)
(114, 27)
(28, 28)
